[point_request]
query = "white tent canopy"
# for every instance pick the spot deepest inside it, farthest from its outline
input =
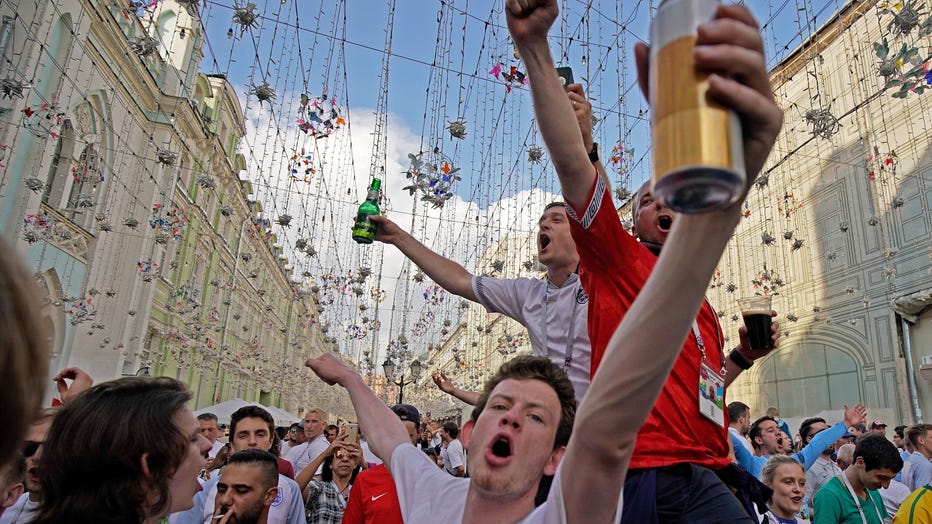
(226, 408)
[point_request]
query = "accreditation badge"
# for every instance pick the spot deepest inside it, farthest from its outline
(711, 395)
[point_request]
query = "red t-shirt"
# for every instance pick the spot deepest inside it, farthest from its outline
(614, 267)
(373, 499)
(285, 468)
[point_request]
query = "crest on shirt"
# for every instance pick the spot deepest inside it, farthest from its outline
(581, 296)
(278, 499)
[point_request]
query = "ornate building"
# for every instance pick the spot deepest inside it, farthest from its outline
(121, 183)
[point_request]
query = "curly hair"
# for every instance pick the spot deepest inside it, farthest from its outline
(536, 368)
(91, 467)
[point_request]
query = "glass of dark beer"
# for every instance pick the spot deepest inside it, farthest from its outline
(756, 312)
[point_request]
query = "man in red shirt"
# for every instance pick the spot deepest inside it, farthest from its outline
(374, 499)
(683, 441)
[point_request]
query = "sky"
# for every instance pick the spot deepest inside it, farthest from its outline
(439, 70)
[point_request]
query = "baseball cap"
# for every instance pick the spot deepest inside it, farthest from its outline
(847, 434)
(860, 427)
(407, 412)
(879, 423)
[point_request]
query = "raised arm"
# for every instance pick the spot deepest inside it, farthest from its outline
(446, 273)
(528, 22)
(383, 429)
(446, 385)
(642, 351)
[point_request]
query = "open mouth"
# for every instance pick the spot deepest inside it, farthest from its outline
(501, 448)
(544, 241)
(664, 223)
(796, 500)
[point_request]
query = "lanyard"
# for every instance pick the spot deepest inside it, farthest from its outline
(545, 335)
(857, 501)
(701, 344)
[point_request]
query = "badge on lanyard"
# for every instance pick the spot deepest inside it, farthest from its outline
(711, 395)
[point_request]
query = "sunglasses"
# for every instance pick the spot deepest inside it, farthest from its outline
(31, 447)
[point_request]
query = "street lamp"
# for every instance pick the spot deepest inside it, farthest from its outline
(389, 367)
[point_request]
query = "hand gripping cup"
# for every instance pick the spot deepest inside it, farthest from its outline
(756, 313)
(698, 149)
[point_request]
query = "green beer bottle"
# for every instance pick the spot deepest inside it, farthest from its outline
(364, 229)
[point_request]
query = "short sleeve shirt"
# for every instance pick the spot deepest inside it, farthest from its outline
(427, 494)
(834, 504)
(614, 268)
(555, 319)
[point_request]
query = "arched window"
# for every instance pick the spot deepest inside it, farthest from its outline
(805, 379)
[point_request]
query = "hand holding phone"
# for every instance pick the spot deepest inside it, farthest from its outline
(352, 432)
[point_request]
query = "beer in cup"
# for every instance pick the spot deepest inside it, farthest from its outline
(756, 312)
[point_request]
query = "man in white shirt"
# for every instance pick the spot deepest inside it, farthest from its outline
(210, 428)
(251, 427)
(920, 469)
(315, 422)
(739, 416)
(454, 458)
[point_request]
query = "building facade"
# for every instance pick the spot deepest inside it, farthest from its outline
(121, 184)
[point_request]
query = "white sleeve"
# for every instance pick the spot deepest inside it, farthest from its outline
(425, 492)
(502, 296)
(455, 455)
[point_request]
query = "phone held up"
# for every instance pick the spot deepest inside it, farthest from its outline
(566, 76)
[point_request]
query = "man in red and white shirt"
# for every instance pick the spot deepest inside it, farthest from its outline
(684, 439)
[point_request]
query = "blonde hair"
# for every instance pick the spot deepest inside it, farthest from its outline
(766, 475)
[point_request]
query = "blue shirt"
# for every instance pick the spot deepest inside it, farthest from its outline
(806, 456)
(920, 471)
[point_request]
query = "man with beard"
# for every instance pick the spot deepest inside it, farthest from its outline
(824, 468)
(768, 439)
(248, 487)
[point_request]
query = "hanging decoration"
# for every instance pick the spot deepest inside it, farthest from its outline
(301, 163)
(148, 269)
(881, 167)
(143, 46)
(44, 120)
(824, 123)
(11, 89)
(263, 92)
(168, 225)
(138, 7)
(245, 17)
(319, 117)
(434, 295)
(457, 129)
(787, 204)
(433, 174)
(166, 156)
(904, 60)
(767, 282)
(513, 77)
(535, 154)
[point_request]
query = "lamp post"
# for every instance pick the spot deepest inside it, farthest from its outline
(389, 367)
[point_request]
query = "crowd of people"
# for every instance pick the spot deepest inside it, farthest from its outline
(608, 420)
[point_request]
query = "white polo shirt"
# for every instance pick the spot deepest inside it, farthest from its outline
(555, 319)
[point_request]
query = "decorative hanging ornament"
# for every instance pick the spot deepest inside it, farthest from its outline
(535, 153)
(44, 120)
(263, 92)
(433, 174)
(512, 76)
(457, 129)
(206, 182)
(823, 122)
(143, 46)
(166, 156)
(11, 89)
(319, 117)
(301, 163)
(245, 17)
(138, 7)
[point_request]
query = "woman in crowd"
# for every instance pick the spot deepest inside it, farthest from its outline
(326, 498)
(126, 451)
(787, 479)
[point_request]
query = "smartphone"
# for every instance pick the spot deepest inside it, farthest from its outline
(566, 76)
(352, 432)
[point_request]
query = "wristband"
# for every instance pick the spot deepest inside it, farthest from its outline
(739, 359)
(594, 153)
